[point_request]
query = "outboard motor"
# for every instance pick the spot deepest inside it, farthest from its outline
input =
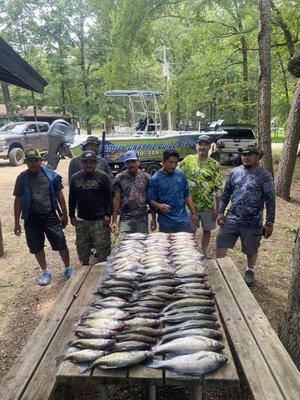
(60, 136)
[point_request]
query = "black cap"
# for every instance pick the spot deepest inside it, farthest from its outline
(252, 149)
(204, 138)
(88, 155)
(91, 140)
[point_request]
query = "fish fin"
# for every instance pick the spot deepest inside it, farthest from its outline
(70, 344)
(59, 360)
(82, 367)
(153, 363)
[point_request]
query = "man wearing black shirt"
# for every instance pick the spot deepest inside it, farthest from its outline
(91, 195)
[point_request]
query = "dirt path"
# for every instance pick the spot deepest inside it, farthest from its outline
(23, 303)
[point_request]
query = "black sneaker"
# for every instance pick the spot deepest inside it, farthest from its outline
(249, 277)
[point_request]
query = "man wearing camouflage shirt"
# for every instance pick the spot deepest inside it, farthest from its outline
(205, 183)
(249, 188)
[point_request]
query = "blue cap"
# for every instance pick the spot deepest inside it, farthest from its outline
(130, 155)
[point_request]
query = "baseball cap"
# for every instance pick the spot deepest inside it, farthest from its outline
(204, 138)
(91, 140)
(252, 149)
(130, 155)
(32, 153)
(88, 155)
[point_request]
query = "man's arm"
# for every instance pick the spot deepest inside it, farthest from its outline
(63, 207)
(17, 213)
(225, 198)
(116, 207)
(190, 204)
(107, 200)
(72, 202)
(269, 196)
(74, 167)
(217, 190)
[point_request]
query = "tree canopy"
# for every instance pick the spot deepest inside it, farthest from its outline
(85, 47)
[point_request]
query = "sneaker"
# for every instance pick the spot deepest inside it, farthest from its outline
(249, 277)
(69, 272)
(44, 278)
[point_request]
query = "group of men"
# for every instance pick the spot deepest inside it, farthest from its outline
(180, 193)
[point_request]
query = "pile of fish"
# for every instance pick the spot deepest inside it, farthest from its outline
(154, 300)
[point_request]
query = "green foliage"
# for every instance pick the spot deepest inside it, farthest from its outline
(86, 47)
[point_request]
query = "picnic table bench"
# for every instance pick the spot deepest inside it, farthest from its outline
(265, 364)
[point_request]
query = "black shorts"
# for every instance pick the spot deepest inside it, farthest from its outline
(37, 228)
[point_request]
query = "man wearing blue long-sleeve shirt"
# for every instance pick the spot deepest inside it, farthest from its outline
(249, 188)
(168, 193)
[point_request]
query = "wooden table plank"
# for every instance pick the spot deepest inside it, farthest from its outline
(256, 370)
(145, 375)
(46, 371)
(17, 378)
(276, 357)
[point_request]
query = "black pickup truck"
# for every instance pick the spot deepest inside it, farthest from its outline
(17, 137)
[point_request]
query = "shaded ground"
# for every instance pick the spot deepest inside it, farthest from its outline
(23, 303)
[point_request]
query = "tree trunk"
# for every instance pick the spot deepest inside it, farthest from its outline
(264, 84)
(290, 148)
(289, 329)
(6, 97)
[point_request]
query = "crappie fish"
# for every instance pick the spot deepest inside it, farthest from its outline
(189, 344)
(113, 313)
(196, 364)
(110, 324)
(188, 302)
(140, 322)
(109, 302)
(96, 344)
(191, 325)
(124, 337)
(131, 345)
(177, 319)
(94, 333)
(81, 356)
(191, 309)
(210, 333)
(143, 330)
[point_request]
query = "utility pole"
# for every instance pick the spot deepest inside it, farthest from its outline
(166, 74)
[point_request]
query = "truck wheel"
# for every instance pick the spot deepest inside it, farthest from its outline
(16, 156)
(152, 168)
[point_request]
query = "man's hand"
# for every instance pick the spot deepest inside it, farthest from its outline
(220, 220)
(194, 218)
(106, 220)
(64, 220)
(73, 221)
(114, 227)
(153, 225)
(164, 208)
(17, 229)
(268, 230)
(215, 213)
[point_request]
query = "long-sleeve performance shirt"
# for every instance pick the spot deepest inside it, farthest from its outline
(249, 190)
(76, 165)
(91, 195)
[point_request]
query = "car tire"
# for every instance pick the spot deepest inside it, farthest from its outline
(16, 156)
(152, 168)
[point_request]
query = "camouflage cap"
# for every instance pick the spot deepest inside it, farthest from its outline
(32, 153)
(252, 149)
(204, 138)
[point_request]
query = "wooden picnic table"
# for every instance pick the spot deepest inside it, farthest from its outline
(263, 361)
(143, 375)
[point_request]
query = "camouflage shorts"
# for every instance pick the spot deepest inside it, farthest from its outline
(91, 234)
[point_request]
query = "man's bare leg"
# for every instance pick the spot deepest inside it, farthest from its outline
(206, 235)
(64, 254)
(221, 252)
(251, 260)
(41, 259)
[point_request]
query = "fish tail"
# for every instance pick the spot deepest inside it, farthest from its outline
(84, 367)
(60, 359)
